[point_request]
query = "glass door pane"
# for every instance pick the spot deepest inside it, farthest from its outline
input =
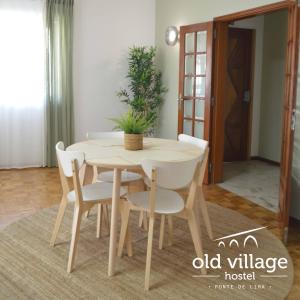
(189, 64)
(189, 42)
(199, 130)
(188, 86)
(199, 109)
(188, 108)
(200, 87)
(201, 41)
(201, 64)
(187, 127)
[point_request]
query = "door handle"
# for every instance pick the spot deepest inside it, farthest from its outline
(180, 101)
(246, 97)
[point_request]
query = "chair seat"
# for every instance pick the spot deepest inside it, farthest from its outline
(167, 201)
(126, 176)
(96, 191)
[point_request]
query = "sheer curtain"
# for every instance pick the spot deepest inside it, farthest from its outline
(22, 83)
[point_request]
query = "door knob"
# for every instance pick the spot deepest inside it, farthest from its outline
(246, 97)
(180, 101)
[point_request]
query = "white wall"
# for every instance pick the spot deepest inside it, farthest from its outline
(178, 13)
(268, 87)
(103, 31)
(272, 93)
(256, 23)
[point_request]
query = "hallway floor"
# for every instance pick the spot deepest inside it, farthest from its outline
(254, 180)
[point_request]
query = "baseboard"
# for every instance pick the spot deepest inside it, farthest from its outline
(275, 163)
(294, 221)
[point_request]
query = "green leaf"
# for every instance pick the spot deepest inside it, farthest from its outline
(145, 90)
(132, 122)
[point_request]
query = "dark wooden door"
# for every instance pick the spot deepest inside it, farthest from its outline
(237, 94)
(195, 80)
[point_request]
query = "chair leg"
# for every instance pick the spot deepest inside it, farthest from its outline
(99, 219)
(196, 237)
(106, 217)
(145, 186)
(162, 231)
(87, 213)
(205, 214)
(75, 236)
(125, 210)
(59, 218)
(129, 242)
(141, 218)
(149, 253)
(170, 231)
(145, 222)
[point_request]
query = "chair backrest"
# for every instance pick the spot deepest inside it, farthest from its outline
(202, 144)
(104, 135)
(65, 159)
(171, 175)
(69, 163)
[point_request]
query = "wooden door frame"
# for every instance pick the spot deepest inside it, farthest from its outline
(220, 53)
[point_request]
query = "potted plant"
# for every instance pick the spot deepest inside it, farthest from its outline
(145, 89)
(134, 125)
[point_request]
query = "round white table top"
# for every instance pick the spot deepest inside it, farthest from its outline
(111, 153)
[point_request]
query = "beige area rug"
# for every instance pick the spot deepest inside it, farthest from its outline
(30, 269)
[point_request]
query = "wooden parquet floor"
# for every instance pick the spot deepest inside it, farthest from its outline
(23, 192)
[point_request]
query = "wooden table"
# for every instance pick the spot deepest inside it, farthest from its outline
(110, 153)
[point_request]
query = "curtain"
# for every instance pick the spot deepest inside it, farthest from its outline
(59, 90)
(22, 81)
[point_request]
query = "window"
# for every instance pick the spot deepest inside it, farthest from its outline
(22, 83)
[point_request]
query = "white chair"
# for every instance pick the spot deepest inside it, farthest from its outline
(127, 177)
(83, 197)
(203, 147)
(202, 144)
(162, 199)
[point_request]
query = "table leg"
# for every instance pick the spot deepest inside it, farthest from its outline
(113, 222)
